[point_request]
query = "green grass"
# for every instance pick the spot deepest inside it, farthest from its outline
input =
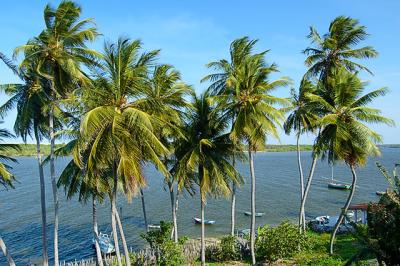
(30, 150)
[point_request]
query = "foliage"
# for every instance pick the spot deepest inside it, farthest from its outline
(279, 242)
(6, 177)
(227, 250)
(168, 253)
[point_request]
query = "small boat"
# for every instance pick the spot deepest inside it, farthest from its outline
(258, 214)
(198, 221)
(106, 246)
(335, 185)
(380, 193)
(154, 226)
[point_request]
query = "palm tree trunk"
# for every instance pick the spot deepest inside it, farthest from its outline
(203, 248)
(6, 253)
(173, 212)
(345, 208)
(144, 210)
(176, 214)
(53, 183)
(96, 234)
(253, 208)
(45, 258)
(307, 189)
(113, 216)
(301, 214)
(233, 202)
(121, 232)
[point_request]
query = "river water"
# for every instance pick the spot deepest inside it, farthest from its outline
(277, 196)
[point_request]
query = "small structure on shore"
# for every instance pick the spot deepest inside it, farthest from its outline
(360, 209)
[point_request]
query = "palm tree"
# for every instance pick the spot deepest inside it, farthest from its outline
(123, 134)
(239, 50)
(337, 48)
(301, 119)
(6, 179)
(245, 95)
(207, 150)
(60, 50)
(29, 99)
(344, 135)
(164, 96)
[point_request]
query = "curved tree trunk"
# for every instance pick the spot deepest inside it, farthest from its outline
(301, 213)
(144, 210)
(253, 208)
(6, 253)
(176, 215)
(345, 208)
(96, 233)
(45, 258)
(53, 183)
(307, 189)
(203, 248)
(113, 216)
(125, 246)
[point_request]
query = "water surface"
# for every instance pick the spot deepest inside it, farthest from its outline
(277, 196)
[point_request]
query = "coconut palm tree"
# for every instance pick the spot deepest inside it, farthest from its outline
(344, 135)
(164, 96)
(245, 93)
(29, 99)
(60, 50)
(206, 151)
(300, 120)
(338, 47)
(219, 89)
(6, 179)
(123, 134)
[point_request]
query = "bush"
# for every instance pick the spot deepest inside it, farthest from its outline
(279, 242)
(168, 253)
(227, 250)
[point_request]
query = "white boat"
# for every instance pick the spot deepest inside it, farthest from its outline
(258, 214)
(154, 226)
(198, 221)
(106, 246)
(337, 185)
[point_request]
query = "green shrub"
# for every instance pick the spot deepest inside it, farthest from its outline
(279, 242)
(227, 250)
(168, 253)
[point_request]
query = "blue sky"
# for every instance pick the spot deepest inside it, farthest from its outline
(192, 33)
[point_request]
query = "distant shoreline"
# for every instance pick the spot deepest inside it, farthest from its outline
(30, 149)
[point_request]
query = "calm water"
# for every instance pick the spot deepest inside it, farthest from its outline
(277, 196)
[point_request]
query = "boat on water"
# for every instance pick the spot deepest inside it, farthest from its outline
(208, 222)
(380, 193)
(337, 185)
(106, 246)
(154, 227)
(258, 214)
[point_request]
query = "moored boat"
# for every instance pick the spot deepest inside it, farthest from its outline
(208, 222)
(335, 185)
(106, 246)
(258, 214)
(380, 193)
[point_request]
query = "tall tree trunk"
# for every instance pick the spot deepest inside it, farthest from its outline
(307, 189)
(176, 214)
(96, 233)
(121, 232)
(113, 215)
(345, 208)
(45, 258)
(253, 207)
(233, 206)
(6, 253)
(144, 210)
(233, 202)
(301, 214)
(173, 212)
(53, 183)
(203, 248)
